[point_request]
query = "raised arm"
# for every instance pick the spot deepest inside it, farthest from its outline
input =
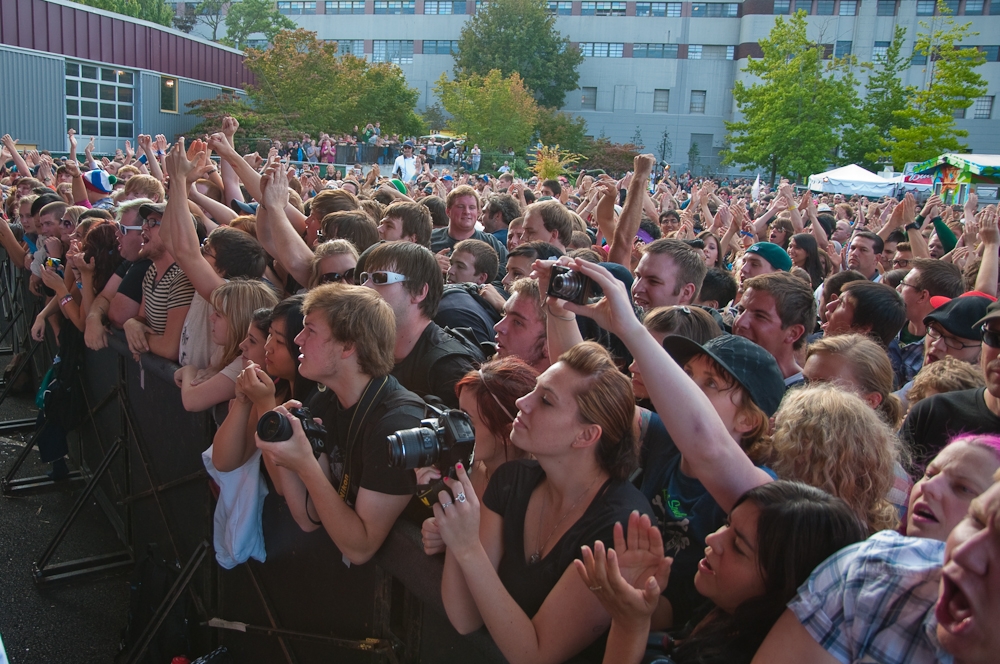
(19, 162)
(628, 221)
(986, 280)
(286, 245)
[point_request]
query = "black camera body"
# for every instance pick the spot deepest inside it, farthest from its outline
(441, 441)
(274, 427)
(569, 285)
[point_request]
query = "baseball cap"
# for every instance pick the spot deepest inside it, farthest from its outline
(992, 313)
(158, 208)
(773, 254)
(243, 208)
(754, 368)
(962, 316)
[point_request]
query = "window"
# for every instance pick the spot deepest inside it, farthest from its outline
(959, 114)
(588, 8)
(992, 53)
(952, 6)
(843, 49)
(602, 49)
(880, 50)
(588, 100)
(674, 9)
(296, 8)
(886, 8)
(443, 7)
(705, 52)
(697, 101)
(382, 7)
(974, 7)
(803, 6)
(715, 9)
(694, 52)
(918, 58)
(824, 8)
(994, 7)
(661, 101)
(396, 51)
(652, 8)
(99, 100)
(983, 108)
(355, 47)
(561, 8)
(654, 51)
(848, 7)
(782, 6)
(350, 7)
(168, 94)
(440, 47)
(259, 44)
(925, 7)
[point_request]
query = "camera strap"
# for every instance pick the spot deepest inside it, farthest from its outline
(365, 403)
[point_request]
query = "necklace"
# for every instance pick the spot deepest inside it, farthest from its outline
(537, 555)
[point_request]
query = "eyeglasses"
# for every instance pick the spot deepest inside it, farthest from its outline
(339, 277)
(913, 286)
(149, 222)
(382, 277)
(901, 262)
(991, 337)
(204, 250)
(125, 229)
(951, 342)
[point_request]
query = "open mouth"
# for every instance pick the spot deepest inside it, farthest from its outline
(923, 513)
(705, 567)
(953, 611)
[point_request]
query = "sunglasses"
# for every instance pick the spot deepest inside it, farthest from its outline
(991, 337)
(338, 277)
(382, 277)
(125, 229)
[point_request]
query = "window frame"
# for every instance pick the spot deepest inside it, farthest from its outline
(704, 102)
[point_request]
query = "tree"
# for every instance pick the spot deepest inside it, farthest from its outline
(253, 123)
(694, 154)
(562, 129)
(495, 111)
(866, 141)
(433, 117)
(186, 20)
(614, 158)
(251, 16)
(519, 36)
(928, 123)
(154, 11)
(665, 147)
(212, 14)
(637, 138)
(791, 118)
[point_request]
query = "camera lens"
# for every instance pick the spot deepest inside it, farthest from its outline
(273, 427)
(568, 285)
(413, 448)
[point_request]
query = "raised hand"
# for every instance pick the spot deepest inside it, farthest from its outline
(274, 187)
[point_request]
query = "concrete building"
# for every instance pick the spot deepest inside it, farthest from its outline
(65, 65)
(657, 66)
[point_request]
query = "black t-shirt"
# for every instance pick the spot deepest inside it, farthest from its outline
(934, 421)
(367, 457)
(508, 493)
(440, 377)
(131, 285)
(460, 309)
(441, 240)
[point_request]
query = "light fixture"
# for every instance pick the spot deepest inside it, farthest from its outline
(170, 83)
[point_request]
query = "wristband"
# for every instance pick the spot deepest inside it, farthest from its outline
(65, 299)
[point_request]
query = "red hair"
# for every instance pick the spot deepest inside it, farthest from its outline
(497, 386)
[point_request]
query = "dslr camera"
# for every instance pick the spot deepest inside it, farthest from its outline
(569, 285)
(274, 427)
(440, 441)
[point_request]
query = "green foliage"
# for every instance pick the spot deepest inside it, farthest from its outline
(154, 11)
(519, 36)
(494, 111)
(665, 148)
(637, 138)
(694, 154)
(186, 20)
(563, 129)
(615, 158)
(253, 124)
(953, 84)
(793, 115)
(250, 16)
(865, 142)
(211, 13)
(433, 117)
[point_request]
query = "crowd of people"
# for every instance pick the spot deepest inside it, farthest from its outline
(711, 423)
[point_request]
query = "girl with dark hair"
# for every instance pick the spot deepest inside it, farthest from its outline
(781, 232)
(508, 563)
(804, 252)
(270, 378)
(714, 255)
(776, 535)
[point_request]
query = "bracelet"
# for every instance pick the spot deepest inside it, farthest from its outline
(309, 516)
(548, 308)
(65, 299)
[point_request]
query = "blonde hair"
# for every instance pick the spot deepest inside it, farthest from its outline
(145, 186)
(946, 375)
(329, 248)
(870, 368)
(830, 439)
(236, 301)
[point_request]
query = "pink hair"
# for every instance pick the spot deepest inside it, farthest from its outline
(988, 441)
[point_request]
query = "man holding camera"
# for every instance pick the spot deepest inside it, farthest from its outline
(347, 487)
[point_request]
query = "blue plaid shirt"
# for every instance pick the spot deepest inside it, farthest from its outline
(906, 359)
(874, 601)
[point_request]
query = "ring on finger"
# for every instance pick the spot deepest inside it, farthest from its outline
(445, 506)
(460, 497)
(595, 588)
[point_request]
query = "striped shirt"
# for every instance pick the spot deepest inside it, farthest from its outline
(159, 296)
(874, 601)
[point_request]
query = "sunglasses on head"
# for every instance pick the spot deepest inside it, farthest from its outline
(337, 277)
(382, 277)
(991, 337)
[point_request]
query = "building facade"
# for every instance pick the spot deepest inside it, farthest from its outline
(65, 65)
(655, 67)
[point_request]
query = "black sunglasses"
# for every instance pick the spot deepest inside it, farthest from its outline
(337, 277)
(991, 337)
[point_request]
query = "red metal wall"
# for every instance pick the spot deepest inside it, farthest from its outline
(113, 39)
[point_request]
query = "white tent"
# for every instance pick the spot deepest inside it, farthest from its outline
(852, 180)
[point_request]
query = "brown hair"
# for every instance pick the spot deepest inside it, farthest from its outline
(870, 367)
(416, 220)
(793, 300)
(332, 200)
(236, 301)
(555, 217)
(690, 263)
(458, 192)
(497, 386)
(359, 317)
(682, 320)
(354, 226)
(145, 186)
(418, 264)
(329, 248)
(485, 257)
(948, 374)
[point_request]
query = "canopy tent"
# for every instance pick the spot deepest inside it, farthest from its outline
(955, 175)
(851, 180)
